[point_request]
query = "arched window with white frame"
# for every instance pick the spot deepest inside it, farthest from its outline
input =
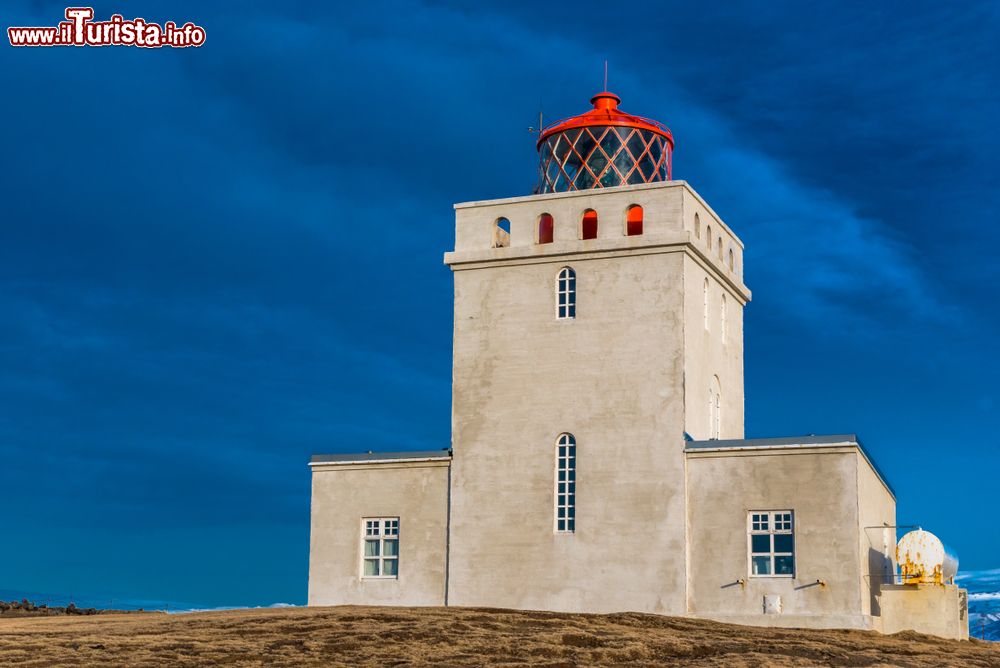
(565, 484)
(566, 294)
(715, 409)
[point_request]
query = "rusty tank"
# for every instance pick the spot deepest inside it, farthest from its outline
(923, 558)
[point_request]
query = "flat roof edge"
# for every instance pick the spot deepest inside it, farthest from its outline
(789, 443)
(381, 457)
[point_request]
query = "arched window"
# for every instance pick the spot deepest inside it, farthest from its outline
(704, 297)
(697, 227)
(719, 247)
(546, 228)
(732, 262)
(722, 319)
(633, 220)
(715, 408)
(708, 233)
(588, 225)
(566, 294)
(565, 491)
(501, 233)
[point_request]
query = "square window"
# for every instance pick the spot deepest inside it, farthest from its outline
(380, 547)
(771, 543)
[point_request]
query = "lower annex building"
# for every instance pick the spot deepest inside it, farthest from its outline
(598, 459)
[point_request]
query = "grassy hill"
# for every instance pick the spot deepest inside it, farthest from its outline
(361, 636)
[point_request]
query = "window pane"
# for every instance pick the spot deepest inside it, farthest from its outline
(784, 565)
(391, 548)
(371, 548)
(760, 543)
(762, 565)
(391, 567)
(782, 542)
(371, 567)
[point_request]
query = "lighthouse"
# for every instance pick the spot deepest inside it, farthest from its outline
(598, 461)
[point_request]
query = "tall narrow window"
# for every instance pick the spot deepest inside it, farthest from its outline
(633, 220)
(697, 227)
(732, 262)
(708, 233)
(772, 543)
(722, 319)
(566, 294)
(546, 228)
(501, 233)
(704, 297)
(715, 409)
(565, 495)
(588, 225)
(380, 547)
(719, 247)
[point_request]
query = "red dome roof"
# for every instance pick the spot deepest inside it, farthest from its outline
(606, 112)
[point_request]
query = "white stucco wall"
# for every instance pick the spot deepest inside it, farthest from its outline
(614, 377)
(342, 496)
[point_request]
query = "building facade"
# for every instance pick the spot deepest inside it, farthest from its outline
(598, 459)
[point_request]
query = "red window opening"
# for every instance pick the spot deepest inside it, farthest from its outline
(588, 226)
(633, 220)
(545, 228)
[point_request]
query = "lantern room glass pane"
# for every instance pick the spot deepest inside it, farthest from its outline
(636, 144)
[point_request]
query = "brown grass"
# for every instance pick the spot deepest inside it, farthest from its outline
(360, 636)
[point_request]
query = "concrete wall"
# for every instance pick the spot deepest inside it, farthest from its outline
(820, 485)
(614, 377)
(940, 610)
(876, 508)
(342, 495)
(710, 352)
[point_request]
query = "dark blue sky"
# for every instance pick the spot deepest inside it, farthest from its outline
(215, 262)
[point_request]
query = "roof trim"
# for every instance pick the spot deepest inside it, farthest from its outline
(371, 457)
(790, 442)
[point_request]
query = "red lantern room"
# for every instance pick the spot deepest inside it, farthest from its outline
(603, 148)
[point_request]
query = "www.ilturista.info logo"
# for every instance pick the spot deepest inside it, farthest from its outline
(79, 29)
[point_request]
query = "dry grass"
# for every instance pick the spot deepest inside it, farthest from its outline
(359, 636)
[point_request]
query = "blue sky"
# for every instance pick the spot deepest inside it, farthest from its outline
(215, 262)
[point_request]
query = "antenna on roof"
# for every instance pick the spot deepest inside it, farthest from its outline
(540, 126)
(605, 75)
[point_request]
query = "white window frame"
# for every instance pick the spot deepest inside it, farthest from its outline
(564, 497)
(566, 294)
(379, 531)
(770, 523)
